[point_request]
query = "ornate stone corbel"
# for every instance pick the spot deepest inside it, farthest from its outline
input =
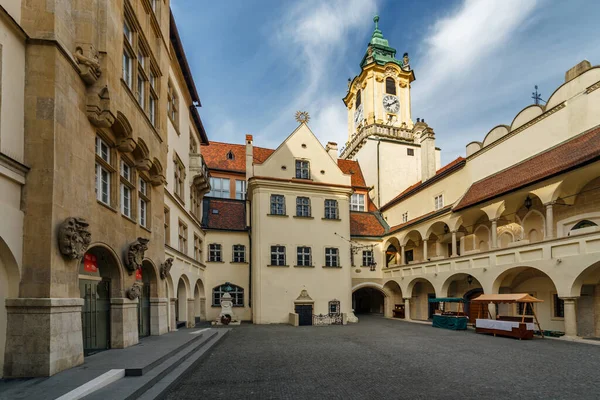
(402, 84)
(379, 78)
(134, 291)
(74, 238)
(88, 63)
(135, 254)
(165, 268)
(143, 164)
(126, 145)
(98, 109)
(157, 180)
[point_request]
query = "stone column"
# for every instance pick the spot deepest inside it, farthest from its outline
(43, 336)
(172, 322)
(407, 308)
(402, 256)
(570, 316)
(454, 254)
(159, 323)
(549, 221)
(123, 323)
(191, 314)
(425, 250)
(494, 244)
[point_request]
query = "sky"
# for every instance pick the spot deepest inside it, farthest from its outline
(256, 62)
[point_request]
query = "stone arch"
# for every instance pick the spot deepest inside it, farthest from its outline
(121, 127)
(585, 288)
(480, 233)
(590, 275)
(9, 288)
(116, 271)
(393, 297)
(420, 290)
(391, 251)
(534, 220)
(141, 154)
(183, 290)
(199, 299)
(469, 284)
(369, 297)
(150, 275)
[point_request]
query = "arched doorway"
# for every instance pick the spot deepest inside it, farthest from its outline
(421, 290)
(586, 291)
(468, 287)
(9, 288)
(146, 277)
(99, 281)
(368, 300)
(181, 304)
(199, 301)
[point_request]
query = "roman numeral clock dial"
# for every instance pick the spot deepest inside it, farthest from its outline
(391, 103)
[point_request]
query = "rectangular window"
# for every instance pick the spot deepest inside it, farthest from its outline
(125, 200)
(167, 222)
(357, 202)
(144, 199)
(278, 255)
(240, 190)
(214, 252)
(405, 217)
(277, 204)
(302, 207)
(239, 253)
(183, 238)
(304, 257)
(103, 174)
(439, 201)
(559, 306)
(127, 68)
(172, 105)
(141, 86)
(152, 110)
(302, 169)
(410, 152)
(127, 32)
(179, 169)
(197, 248)
(367, 258)
(332, 257)
(331, 209)
(219, 187)
(102, 150)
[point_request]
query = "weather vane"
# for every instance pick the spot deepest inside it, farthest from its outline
(302, 117)
(537, 97)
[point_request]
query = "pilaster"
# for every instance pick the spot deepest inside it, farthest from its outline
(191, 320)
(123, 323)
(570, 305)
(159, 323)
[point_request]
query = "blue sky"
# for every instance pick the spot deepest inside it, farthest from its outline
(476, 62)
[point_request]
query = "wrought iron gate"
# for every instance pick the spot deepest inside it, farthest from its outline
(144, 312)
(327, 319)
(95, 316)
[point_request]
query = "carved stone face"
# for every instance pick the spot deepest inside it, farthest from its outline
(135, 254)
(134, 292)
(74, 238)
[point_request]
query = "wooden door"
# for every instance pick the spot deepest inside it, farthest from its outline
(304, 314)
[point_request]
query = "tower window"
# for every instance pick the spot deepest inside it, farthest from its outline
(358, 98)
(390, 86)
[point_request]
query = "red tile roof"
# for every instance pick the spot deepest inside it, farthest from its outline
(365, 224)
(440, 173)
(578, 151)
(215, 156)
(225, 214)
(352, 168)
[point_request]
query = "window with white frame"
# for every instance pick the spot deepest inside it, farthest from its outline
(332, 257)
(357, 202)
(304, 256)
(219, 187)
(302, 207)
(439, 201)
(126, 189)
(240, 189)
(278, 255)
(197, 248)
(277, 204)
(405, 217)
(179, 169)
(236, 292)
(367, 258)
(183, 237)
(144, 196)
(167, 217)
(128, 53)
(302, 169)
(195, 201)
(214, 252)
(103, 171)
(172, 105)
(331, 209)
(239, 253)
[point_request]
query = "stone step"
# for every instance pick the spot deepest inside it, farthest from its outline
(168, 370)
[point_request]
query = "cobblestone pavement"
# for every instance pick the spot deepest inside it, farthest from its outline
(379, 358)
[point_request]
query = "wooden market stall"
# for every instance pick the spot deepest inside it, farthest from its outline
(447, 318)
(509, 325)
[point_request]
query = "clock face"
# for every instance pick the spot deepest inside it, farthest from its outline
(358, 115)
(391, 103)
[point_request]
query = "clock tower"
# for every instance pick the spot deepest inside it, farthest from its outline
(381, 133)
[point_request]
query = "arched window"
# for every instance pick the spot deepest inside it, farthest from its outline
(583, 224)
(358, 99)
(236, 292)
(390, 255)
(390, 86)
(230, 155)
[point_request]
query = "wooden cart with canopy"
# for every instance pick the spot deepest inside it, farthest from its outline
(509, 325)
(447, 316)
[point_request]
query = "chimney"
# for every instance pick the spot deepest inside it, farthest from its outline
(577, 70)
(426, 137)
(249, 157)
(332, 150)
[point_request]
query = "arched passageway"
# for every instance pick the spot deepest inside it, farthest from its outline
(146, 277)
(368, 300)
(99, 281)
(199, 301)
(468, 287)
(586, 294)
(9, 287)
(181, 304)
(421, 290)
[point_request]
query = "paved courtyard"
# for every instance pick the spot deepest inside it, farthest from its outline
(380, 358)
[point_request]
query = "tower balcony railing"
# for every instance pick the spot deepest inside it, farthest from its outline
(378, 130)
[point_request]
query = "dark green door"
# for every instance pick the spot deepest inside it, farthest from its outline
(144, 312)
(304, 314)
(95, 315)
